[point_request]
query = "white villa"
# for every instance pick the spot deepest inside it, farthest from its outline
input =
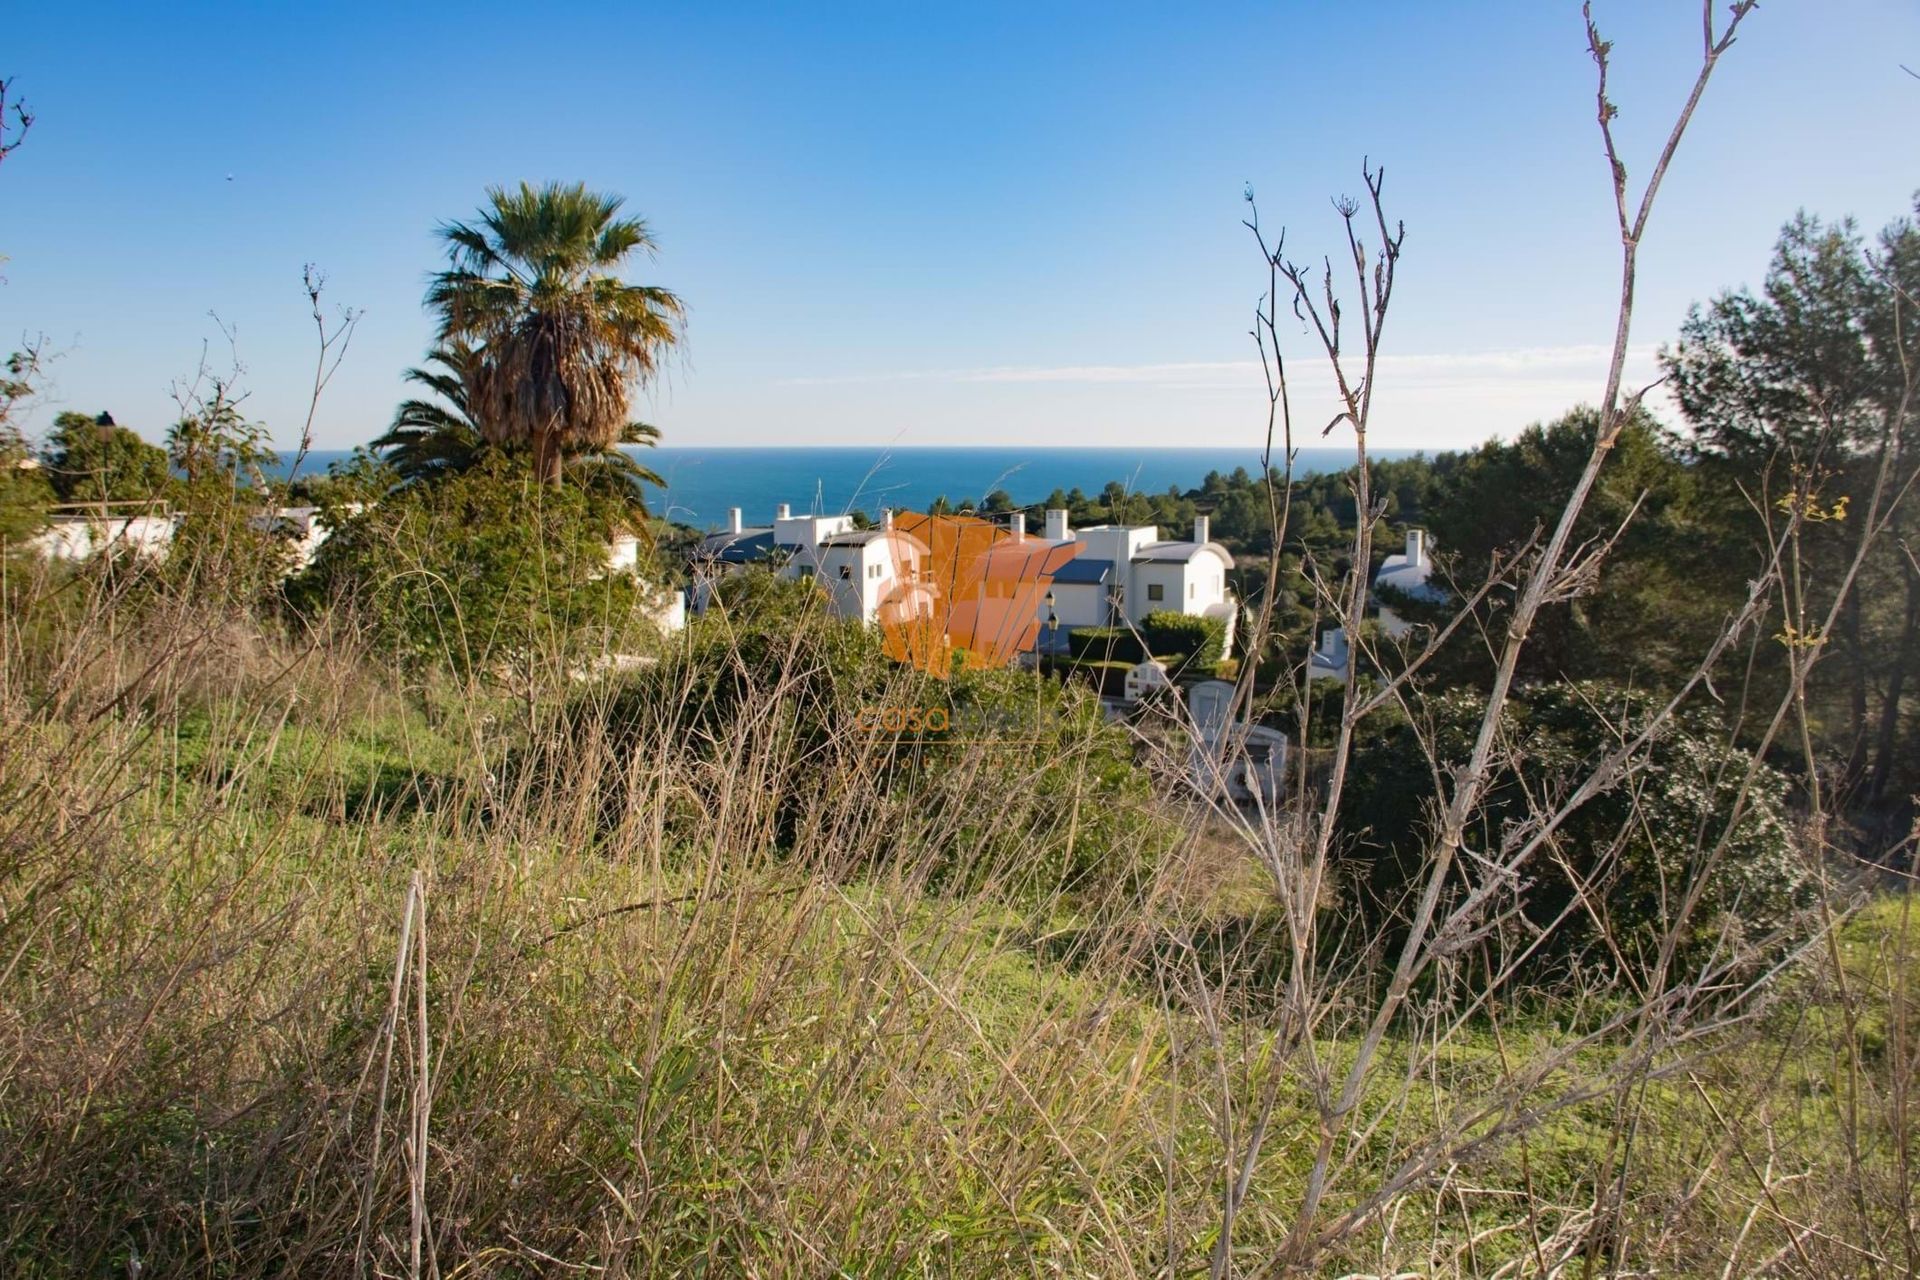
(863, 571)
(1122, 573)
(1328, 661)
(1117, 574)
(80, 532)
(304, 528)
(1409, 573)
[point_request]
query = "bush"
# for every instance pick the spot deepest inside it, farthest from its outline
(25, 493)
(1105, 644)
(1636, 847)
(482, 571)
(791, 725)
(1108, 679)
(1186, 638)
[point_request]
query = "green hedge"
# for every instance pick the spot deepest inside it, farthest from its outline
(1199, 641)
(1104, 644)
(1185, 642)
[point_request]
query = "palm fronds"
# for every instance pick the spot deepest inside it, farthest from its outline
(563, 340)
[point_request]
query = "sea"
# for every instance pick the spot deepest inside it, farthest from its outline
(702, 483)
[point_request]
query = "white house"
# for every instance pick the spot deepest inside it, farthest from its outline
(304, 528)
(864, 573)
(1122, 573)
(1328, 661)
(80, 532)
(1409, 573)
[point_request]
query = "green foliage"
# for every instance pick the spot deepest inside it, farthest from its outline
(434, 437)
(1184, 642)
(24, 491)
(1635, 846)
(1105, 644)
(1184, 638)
(1796, 397)
(1636, 621)
(1049, 796)
(556, 338)
(215, 443)
(97, 460)
(485, 571)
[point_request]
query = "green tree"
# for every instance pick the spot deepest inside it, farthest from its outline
(214, 442)
(430, 438)
(1638, 617)
(24, 491)
(1634, 848)
(562, 339)
(434, 437)
(485, 571)
(97, 460)
(1799, 394)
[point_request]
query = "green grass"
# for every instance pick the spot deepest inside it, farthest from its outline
(671, 1046)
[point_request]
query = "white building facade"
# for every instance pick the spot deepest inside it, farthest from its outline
(865, 574)
(1122, 573)
(1410, 573)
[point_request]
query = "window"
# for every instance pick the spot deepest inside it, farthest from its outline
(873, 570)
(1191, 588)
(846, 573)
(1155, 591)
(805, 570)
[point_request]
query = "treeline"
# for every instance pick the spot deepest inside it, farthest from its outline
(1796, 404)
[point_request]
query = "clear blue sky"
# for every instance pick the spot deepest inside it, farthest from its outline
(922, 224)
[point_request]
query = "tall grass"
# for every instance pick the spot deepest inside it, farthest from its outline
(312, 965)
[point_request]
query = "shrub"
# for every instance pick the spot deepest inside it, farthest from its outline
(24, 491)
(791, 724)
(482, 571)
(1107, 678)
(1188, 638)
(1636, 846)
(1105, 644)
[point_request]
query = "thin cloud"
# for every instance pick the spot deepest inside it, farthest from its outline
(1441, 372)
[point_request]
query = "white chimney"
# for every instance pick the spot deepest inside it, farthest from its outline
(733, 519)
(1416, 546)
(886, 518)
(783, 512)
(1017, 526)
(1057, 530)
(1202, 529)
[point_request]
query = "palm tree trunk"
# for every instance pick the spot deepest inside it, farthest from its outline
(546, 457)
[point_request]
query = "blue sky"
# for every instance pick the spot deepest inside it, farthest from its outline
(919, 224)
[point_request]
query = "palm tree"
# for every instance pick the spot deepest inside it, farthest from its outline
(561, 340)
(432, 438)
(437, 437)
(617, 473)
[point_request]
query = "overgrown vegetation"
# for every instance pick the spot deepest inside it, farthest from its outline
(432, 911)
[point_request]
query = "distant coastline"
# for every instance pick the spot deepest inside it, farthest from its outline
(704, 481)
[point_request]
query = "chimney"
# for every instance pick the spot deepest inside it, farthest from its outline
(886, 517)
(783, 512)
(1017, 526)
(1202, 530)
(1057, 530)
(1416, 546)
(733, 519)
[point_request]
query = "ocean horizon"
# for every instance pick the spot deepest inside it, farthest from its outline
(703, 482)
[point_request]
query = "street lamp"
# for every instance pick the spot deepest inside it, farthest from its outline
(1053, 623)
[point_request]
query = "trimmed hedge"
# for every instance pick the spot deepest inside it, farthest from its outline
(1105, 644)
(1200, 641)
(1185, 642)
